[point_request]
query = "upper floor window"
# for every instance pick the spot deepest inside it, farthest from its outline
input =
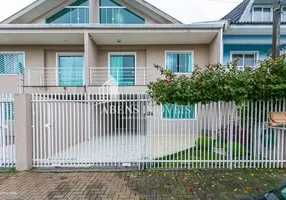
(283, 14)
(179, 62)
(245, 59)
(75, 13)
(112, 12)
(261, 14)
(11, 63)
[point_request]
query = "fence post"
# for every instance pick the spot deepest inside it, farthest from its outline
(23, 131)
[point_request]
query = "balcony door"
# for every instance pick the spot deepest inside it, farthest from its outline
(122, 68)
(70, 70)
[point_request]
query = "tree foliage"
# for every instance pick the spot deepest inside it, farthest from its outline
(222, 83)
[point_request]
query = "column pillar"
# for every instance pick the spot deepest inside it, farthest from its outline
(90, 58)
(23, 131)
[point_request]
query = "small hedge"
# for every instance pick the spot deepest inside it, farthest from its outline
(204, 142)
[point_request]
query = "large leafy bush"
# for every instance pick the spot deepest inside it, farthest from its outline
(222, 83)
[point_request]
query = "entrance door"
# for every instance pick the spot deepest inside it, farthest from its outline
(70, 69)
(122, 68)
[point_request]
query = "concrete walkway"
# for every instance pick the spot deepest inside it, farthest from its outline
(126, 148)
(141, 185)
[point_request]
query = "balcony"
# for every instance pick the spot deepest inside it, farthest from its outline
(127, 76)
(77, 77)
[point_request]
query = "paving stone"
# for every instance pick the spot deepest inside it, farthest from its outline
(140, 185)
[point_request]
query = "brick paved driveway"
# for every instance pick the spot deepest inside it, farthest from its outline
(141, 185)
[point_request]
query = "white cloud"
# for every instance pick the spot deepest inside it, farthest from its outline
(186, 11)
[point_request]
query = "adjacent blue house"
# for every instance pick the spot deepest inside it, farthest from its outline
(248, 35)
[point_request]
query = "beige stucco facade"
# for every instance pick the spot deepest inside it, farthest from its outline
(42, 44)
(42, 59)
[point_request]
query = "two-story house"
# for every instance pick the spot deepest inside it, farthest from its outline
(249, 32)
(84, 45)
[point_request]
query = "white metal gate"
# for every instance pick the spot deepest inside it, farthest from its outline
(7, 138)
(88, 130)
(129, 130)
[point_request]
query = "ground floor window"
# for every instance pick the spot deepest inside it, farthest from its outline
(174, 111)
(11, 63)
(245, 59)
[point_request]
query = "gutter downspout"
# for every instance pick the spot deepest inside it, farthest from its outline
(221, 46)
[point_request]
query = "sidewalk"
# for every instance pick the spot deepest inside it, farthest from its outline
(141, 185)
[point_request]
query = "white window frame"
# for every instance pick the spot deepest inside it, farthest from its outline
(67, 6)
(245, 52)
(282, 14)
(122, 54)
(194, 118)
(262, 13)
(15, 52)
(181, 52)
(120, 7)
(58, 54)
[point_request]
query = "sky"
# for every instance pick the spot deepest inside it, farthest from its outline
(187, 11)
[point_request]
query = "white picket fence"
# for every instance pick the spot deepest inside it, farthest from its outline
(7, 138)
(129, 130)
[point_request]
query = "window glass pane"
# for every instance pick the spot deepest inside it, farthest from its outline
(239, 57)
(117, 17)
(108, 3)
(257, 14)
(129, 69)
(122, 69)
(61, 17)
(11, 63)
(71, 15)
(128, 17)
(80, 3)
(174, 111)
(74, 15)
(103, 17)
(249, 60)
(172, 62)
(83, 15)
(71, 70)
(117, 14)
(284, 14)
(179, 63)
(185, 63)
(267, 14)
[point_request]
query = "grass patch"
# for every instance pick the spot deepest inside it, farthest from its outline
(188, 154)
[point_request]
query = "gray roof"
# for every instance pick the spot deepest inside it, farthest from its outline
(249, 22)
(236, 13)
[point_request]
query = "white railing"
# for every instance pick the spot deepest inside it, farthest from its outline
(109, 88)
(7, 137)
(53, 76)
(98, 76)
(84, 130)
(126, 76)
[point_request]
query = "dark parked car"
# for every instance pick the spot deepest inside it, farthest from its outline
(276, 194)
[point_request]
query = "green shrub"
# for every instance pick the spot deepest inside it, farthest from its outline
(204, 142)
(238, 149)
(215, 83)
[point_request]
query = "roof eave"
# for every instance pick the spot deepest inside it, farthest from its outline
(117, 26)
